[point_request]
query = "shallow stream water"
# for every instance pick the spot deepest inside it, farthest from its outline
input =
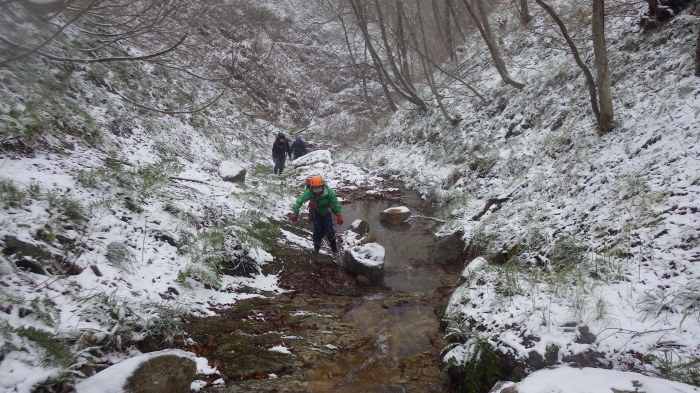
(401, 322)
(342, 336)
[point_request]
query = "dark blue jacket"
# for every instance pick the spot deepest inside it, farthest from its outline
(298, 148)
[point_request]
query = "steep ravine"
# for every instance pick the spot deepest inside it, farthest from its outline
(331, 331)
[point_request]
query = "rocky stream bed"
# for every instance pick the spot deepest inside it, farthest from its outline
(332, 331)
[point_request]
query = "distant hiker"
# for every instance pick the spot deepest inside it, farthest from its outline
(298, 147)
(280, 151)
(322, 201)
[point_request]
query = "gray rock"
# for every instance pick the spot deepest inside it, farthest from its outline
(361, 227)
(232, 172)
(169, 371)
(35, 259)
(449, 250)
(535, 360)
(551, 355)
(367, 260)
(585, 336)
(395, 215)
(588, 359)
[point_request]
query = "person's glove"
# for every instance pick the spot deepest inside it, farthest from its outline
(340, 219)
(294, 217)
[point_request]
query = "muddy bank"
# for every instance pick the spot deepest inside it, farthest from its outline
(330, 331)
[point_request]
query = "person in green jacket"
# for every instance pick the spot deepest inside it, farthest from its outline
(322, 201)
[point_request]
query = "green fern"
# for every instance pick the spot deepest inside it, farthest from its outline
(57, 351)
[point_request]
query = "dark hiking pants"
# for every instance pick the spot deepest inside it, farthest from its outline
(323, 226)
(279, 164)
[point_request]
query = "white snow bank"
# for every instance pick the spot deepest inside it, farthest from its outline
(316, 158)
(20, 377)
(112, 379)
(370, 254)
(595, 380)
(230, 169)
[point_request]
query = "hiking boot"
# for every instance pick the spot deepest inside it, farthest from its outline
(334, 246)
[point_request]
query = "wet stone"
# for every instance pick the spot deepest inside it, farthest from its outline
(395, 215)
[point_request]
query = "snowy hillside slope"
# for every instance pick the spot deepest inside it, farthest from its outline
(114, 221)
(591, 255)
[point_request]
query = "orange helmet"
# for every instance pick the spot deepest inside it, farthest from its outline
(315, 181)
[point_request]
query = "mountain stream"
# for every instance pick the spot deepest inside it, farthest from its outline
(332, 332)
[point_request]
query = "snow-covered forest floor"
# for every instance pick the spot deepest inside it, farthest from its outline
(592, 253)
(115, 222)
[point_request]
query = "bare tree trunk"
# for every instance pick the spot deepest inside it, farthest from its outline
(590, 82)
(448, 32)
(407, 89)
(525, 17)
(605, 121)
(401, 40)
(485, 30)
(429, 73)
(453, 12)
(376, 60)
(357, 70)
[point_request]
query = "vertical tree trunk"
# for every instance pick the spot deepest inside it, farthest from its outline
(401, 86)
(605, 121)
(359, 71)
(453, 12)
(485, 30)
(360, 16)
(429, 72)
(525, 17)
(448, 32)
(401, 42)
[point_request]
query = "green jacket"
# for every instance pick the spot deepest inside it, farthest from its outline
(325, 200)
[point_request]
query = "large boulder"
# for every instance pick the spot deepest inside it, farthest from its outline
(317, 158)
(395, 215)
(449, 250)
(232, 172)
(168, 371)
(367, 260)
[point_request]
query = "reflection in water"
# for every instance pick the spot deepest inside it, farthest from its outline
(407, 248)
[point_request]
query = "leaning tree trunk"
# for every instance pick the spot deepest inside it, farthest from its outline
(481, 23)
(605, 120)
(590, 82)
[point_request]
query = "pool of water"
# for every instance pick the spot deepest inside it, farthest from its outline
(407, 246)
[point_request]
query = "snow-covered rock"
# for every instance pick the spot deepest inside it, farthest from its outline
(318, 158)
(592, 380)
(395, 215)
(232, 172)
(361, 227)
(367, 260)
(168, 371)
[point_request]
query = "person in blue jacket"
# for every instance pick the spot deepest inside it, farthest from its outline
(298, 147)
